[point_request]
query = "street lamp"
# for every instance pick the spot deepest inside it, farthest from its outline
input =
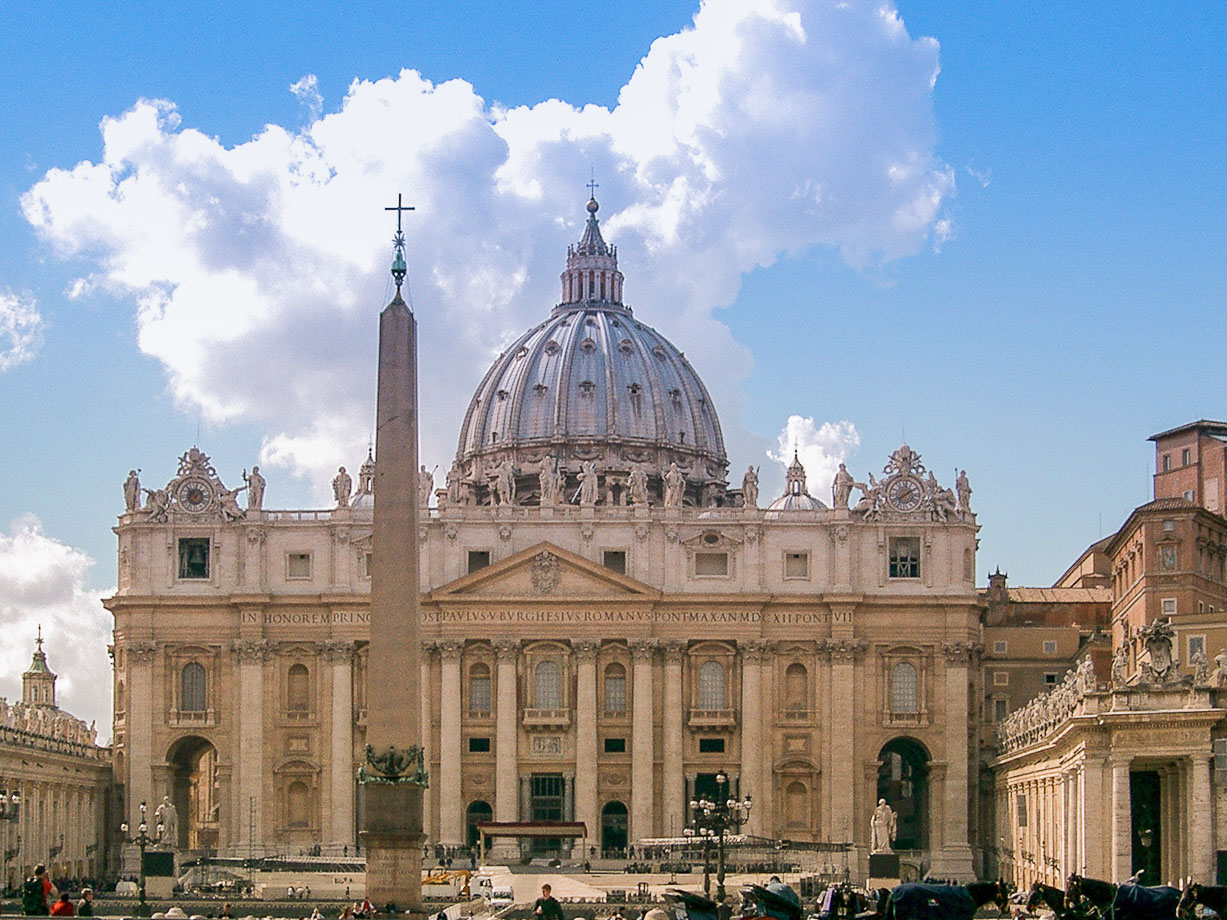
(712, 819)
(142, 841)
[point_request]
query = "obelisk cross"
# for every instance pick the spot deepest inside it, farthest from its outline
(398, 264)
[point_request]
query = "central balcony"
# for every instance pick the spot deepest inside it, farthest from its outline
(547, 720)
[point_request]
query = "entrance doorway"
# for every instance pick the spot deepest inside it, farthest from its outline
(193, 763)
(1144, 797)
(903, 780)
(547, 795)
(478, 812)
(614, 825)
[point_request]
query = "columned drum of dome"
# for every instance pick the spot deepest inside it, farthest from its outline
(590, 384)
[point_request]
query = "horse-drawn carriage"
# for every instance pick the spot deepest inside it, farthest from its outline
(1094, 899)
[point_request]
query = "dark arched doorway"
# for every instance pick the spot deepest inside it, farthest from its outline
(903, 780)
(477, 813)
(613, 828)
(193, 769)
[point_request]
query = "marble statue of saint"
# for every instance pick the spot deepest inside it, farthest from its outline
(882, 828)
(749, 488)
(638, 481)
(547, 480)
(168, 817)
(589, 485)
(453, 485)
(963, 487)
(504, 483)
(841, 487)
(255, 489)
(1120, 664)
(132, 492)
(342, 485)
(1219, 677)
(1201, 668)
(228, 504)
(158, 505)
(426, 485)
(675, 486)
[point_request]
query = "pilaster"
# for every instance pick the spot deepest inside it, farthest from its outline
(674, 791)
(586, 806)
(643, 759)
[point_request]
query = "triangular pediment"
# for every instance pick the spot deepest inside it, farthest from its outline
(544, 571)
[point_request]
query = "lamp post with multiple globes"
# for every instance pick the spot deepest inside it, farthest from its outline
(711, 820)
(142, 841)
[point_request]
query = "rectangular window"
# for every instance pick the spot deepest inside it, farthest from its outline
(615, 692)
(904, 557)
(615, 745)
(194, 557)
(614, 560)
(796, 565)
(1001, 709)
(1022, 810)
(1169, 526)
(1168, 606)
(1185, 457)
(1000, 647)
(367, 559)
(479, 745)
(1190, 495)
(711, 565)
(1167, 462)
(479, 693)
(1050, 646)
(298, 565)
(711, 745)
(478, 560)
(1197, 645)
(1050, 677)
(1001, 678)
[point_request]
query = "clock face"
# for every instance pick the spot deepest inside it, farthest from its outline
(904, 493)
(194, 495)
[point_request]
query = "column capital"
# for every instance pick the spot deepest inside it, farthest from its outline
(450, 649)
(141, 650)
(674, 650)
(643, 649)
(842, 649)
(585, 649)
(506, 649)
(960, 653)
(252, 649)
(337, 650)
(755, 649)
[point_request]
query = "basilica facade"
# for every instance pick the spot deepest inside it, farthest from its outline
(608, 625)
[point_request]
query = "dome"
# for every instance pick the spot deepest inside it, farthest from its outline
(593, 383)
(796, 496)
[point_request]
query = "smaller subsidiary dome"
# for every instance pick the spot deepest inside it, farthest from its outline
(796, 496)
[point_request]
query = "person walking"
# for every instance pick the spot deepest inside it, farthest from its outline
(547, 907)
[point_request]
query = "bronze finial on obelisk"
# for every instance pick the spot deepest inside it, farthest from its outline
(393, 774)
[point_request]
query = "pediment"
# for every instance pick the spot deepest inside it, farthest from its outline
(544, 571)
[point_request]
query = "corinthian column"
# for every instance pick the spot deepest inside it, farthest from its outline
(585, 735)
(252, 654)
(643, 759)
(451, 809)
(752, 728)
(956, 850)
(674, 793)
(506, 757)
(340, 656)
(140, 728)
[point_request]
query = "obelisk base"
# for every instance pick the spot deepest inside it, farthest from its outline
(393, 841)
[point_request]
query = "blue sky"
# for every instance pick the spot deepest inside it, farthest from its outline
(1060, 300)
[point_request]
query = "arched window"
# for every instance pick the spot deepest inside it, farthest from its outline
(796, 798)
(796, 687)
(615, 688)
(711, 685)
(119, 697)
(298, 688)
(479, 688)
(547, 686)
(298, 804)
(903, 688)
(192, 688)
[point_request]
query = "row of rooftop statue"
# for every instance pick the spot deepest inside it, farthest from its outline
(906, 487)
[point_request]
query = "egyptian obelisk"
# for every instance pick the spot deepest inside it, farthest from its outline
(392, 776)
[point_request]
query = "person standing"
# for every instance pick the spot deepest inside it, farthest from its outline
(35, 892)
(85, 907)
(547, 907)
(63, 906)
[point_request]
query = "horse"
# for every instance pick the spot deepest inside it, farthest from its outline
(917, 901)
(844, 902)
(1145, 902)
(1053, 898)
(1098, 894)
(1211, 896)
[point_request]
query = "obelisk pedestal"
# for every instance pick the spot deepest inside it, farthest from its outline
(393, 776)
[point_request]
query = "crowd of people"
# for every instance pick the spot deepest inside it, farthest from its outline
(41, 897)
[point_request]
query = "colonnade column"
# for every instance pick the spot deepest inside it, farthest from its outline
(752, 729)
(955, 847)
(1122, 821)
(674, 792)
(643, 757)
(451, 807)
(139, 692)
(585, 736)
(340, 656)
(1200, 810)
(252, 653)
(841, 787)
(431, 793)
(506, 732)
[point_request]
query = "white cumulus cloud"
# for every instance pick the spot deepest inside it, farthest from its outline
(765, 128)
(820, 448)
(21, 330)
(42, 583)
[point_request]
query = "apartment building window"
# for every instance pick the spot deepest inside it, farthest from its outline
(1168, 606)
(1197, 645)
(1167, 463)
(1050, 678)
(1050, 646)
(1000, 647)
(1185, 457)
(1001, 709)
(904, 557)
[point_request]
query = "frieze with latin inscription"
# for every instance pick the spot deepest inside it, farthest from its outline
(652, 617)
(306, 618)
